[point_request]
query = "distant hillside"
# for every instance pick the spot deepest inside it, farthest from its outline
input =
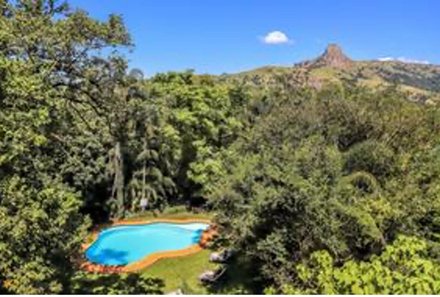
(419, 81)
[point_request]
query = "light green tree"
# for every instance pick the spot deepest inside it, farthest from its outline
(404, 267)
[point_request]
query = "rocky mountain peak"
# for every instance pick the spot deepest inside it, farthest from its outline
(333, 56)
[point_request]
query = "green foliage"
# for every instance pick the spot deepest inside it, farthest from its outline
(373, 157)
(41, 232)
(404, 267)
(45, 56)
(276, 204)
(201, 123)
(335, 174)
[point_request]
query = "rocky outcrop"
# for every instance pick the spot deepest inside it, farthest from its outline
(332, 57)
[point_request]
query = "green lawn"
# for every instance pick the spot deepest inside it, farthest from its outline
(182, 272)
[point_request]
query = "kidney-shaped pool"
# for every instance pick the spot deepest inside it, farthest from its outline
(122, 245)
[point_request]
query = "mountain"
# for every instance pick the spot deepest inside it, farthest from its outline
(420, 82)
(332, 57)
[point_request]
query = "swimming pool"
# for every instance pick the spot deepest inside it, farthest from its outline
(122, 245)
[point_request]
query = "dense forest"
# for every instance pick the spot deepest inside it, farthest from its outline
(328, 189)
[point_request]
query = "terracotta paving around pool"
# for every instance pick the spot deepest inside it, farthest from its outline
(207, 236)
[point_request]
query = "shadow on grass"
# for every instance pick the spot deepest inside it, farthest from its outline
(238, 279)
(90, 283)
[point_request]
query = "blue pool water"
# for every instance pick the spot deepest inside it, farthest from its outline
(123, 245)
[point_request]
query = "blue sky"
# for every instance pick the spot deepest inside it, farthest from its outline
(218, 36)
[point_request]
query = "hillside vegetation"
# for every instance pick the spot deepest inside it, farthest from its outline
(419, 82)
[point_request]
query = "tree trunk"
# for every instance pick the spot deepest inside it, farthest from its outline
(144, 173)
(118, 210)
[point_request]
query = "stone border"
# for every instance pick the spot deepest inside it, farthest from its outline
(206, 236)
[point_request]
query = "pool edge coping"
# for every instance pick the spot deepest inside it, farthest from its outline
(152, 258)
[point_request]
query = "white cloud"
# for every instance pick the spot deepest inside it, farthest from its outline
(386, 59)
(276, 37)
(404, 60)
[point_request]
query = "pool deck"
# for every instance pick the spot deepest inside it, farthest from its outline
(207, 236)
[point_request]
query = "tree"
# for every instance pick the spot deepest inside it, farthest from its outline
(46, 56)
(41, 231)
(344, 174)
(404, 267)
(201, 123)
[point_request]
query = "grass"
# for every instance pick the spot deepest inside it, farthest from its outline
(182, 273)
(328, 73)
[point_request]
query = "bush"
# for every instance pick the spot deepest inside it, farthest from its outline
(371, 156)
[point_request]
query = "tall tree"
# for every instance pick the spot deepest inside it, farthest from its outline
(46, 57)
